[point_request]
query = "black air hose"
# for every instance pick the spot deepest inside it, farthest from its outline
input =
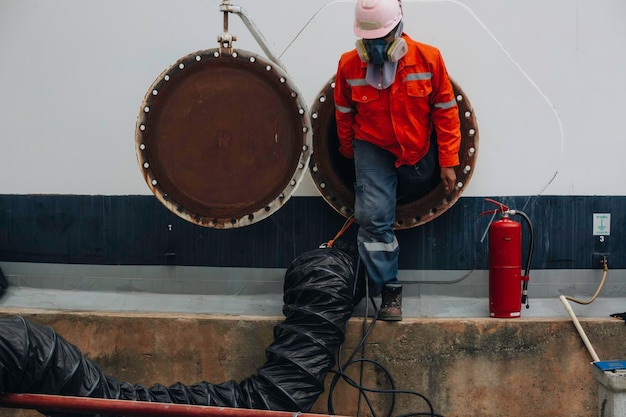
(4, 283)
(318, 301)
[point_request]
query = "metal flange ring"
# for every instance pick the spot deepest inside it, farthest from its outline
(334, 175)
(223, 140)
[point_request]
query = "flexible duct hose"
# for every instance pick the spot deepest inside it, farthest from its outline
(318, 301)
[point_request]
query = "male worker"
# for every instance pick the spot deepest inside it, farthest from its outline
(390, 93)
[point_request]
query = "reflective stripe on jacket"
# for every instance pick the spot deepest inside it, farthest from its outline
(399, 118)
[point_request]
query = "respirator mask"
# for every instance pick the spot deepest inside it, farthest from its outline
(378, 51)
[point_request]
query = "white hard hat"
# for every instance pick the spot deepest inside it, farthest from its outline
(376, 18)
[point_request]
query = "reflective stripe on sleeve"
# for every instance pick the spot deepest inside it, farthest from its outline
(446, 105)
(342, 109)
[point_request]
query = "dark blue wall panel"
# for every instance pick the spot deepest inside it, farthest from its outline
(138, 230)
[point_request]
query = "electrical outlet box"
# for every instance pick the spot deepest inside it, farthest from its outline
(597, 260)
(601, 235)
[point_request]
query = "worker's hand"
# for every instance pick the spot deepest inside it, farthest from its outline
(448, 178)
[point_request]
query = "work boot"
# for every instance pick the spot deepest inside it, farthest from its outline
(391, 306)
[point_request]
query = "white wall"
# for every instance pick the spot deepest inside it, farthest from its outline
(545, 78)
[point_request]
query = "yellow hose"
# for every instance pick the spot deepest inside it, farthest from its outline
(589, 301)
(579, 328)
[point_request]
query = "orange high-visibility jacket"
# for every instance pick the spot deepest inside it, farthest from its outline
(399, 118)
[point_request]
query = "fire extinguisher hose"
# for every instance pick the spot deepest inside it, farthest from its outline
(531, 248)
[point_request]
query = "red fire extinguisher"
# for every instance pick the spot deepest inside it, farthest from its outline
(508, 288)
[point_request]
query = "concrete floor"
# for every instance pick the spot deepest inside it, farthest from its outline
(240, 291)
(433, 306)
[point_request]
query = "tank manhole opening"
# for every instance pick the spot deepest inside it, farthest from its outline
(334, 175)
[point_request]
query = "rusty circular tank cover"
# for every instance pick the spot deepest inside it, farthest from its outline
(334, 175)
(223, 140)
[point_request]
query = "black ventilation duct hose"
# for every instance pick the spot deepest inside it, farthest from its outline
(4, 283)
(318, 301)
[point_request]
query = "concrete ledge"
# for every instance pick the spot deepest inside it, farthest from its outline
(465, 367)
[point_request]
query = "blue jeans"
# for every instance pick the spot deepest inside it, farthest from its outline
(375, 207)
